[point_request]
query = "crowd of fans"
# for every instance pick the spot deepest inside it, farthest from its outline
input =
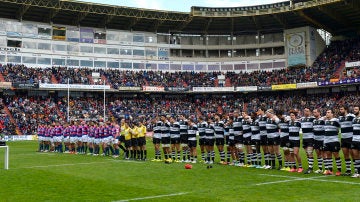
(23, 74)
(28, 112)
(6, 126)
(327, 66)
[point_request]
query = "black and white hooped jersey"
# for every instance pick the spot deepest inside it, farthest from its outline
(201, 128)
(192, 129)
(165, 129)
(157, 129)
(246, 123)
(356, 129)
(175, 130)
(219, 129)
(255, 130)
(183, 127)
(346, 127)
(210, 131)
(284, 127)
(307, 124)
(262, 124)
(294, 130)
(331, 130)
(272, 129)
(319, 130)
(231, 132)
(237, 125)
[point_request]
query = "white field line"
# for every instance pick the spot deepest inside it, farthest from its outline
(308, 178)
(290, 180)
(152, 197)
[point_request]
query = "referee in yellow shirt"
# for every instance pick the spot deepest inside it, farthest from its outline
(142, 140)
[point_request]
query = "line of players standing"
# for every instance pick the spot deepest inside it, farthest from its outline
(93, 137)
(244, 136)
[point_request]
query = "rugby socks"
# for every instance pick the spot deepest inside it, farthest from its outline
(173, 154)
(357, 166)
(272, 160)
(348, 165)
(222, 156)
(311, 162)
(338, 164)
(320, 163)
(267, 159)
(228, 154)
(279, 158)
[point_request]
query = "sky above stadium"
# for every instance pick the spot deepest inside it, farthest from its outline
(182, 5)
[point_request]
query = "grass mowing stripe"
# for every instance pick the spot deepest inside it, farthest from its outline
(152, 197)
(75, 164)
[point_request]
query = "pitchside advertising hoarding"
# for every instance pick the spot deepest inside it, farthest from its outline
(295, 44)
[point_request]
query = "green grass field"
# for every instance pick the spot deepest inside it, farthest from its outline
(37, 176)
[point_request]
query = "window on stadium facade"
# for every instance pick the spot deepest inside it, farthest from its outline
(44, 46)
(13, 59)
(100, 64)
(58, 62)
(86, 49)
(86, 63)
(113, 64)
(99, 50)
(29, 60)
(44, 61)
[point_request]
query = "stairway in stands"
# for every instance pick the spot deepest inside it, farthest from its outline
(228, 82)
(339, 71)
(103, 77)
(53, 79)
(91, 80)
(2, 79)
(12, 120)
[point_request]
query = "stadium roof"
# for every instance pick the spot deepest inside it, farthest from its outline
(334, 16)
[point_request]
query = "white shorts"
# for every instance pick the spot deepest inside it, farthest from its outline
(73, 139)
(85, 138)
(66, 139)
(97, 141)
(57, 139)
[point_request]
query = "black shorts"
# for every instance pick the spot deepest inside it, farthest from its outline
(355, 145)
(231, 143)
(156, 140)
(346, 142)
(202, 141)
(263, 140)
(308, 143)
(165, 140)
(227, 140)
(141, 141)
(134, 142)
(127, 143)
(192, 143)
(332, 146)
(247, 141)
(121, 138)
(239, 139)
(209, 142)
(255, 142)
(284, 141)
(220, 141)
(319, 145)
(175, 140)
(183, 138)
(294, 143)
(273, 141)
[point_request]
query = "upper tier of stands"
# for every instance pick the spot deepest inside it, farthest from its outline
(328, 65)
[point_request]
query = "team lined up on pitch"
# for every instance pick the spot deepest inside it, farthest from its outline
(243, 140)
